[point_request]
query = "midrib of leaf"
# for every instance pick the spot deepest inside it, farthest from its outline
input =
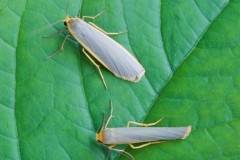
(185, 58)
(17, 45)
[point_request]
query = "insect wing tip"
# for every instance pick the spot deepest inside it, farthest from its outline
(187, 132)
(139, 76)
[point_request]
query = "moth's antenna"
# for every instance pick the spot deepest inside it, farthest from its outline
(67, 7)
(78, 14)
(102, 125)
(48, 26)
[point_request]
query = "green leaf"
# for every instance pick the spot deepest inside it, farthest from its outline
(52, 109)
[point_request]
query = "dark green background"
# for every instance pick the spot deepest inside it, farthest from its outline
(189, 48)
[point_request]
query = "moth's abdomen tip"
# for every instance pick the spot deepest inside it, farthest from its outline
(187, 132)
(139, 76)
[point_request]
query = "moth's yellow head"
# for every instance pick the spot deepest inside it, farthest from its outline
(66, 20)
(99, 137)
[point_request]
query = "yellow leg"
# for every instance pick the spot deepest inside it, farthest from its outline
(60, 49)
(100, 29)
(111, 146)
(96, 66)
(118, 150)
(122, 151)
(55, 34)
(144, 145)
(143, 124)
(93, 17)
(107, 33)
(110, 116)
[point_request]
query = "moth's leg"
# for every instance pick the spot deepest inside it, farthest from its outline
(60, 49)
(111, 115)
(55, 34)
(121, 151)
(100, 29)
(111, 146)
(108, 147)
(143, 124)
(93, 17)
(96, 66)
(144, 145)
(107, 33)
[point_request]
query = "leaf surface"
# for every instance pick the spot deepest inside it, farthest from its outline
(189, 49)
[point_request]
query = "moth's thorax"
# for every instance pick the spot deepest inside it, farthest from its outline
(68, 20)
